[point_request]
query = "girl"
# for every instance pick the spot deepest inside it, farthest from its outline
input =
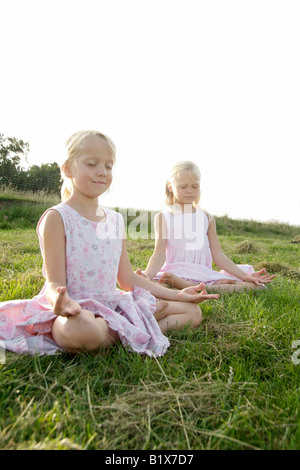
(84, 255)
(186, 242)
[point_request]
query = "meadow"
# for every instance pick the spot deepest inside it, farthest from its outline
(232, 383)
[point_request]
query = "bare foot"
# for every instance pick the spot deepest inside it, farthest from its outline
(173, 281)
(232, 286)
(161, 309)
(224, 281)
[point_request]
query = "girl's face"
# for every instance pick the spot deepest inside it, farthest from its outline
(185, 189)
(91, 171)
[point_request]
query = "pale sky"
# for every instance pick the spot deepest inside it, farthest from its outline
(212, 81)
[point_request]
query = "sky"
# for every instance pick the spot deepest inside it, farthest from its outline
(212, 81)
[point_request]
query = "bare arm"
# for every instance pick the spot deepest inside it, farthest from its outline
(127, 280)
(53, 233)
(159, 255)
(223, 262)
(219, 258)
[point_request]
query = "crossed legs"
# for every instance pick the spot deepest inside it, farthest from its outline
(86, 332)
(180, 314)
(83, 332)
(223, 285)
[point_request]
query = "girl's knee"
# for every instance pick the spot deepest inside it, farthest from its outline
(81, 332)
(196, 315)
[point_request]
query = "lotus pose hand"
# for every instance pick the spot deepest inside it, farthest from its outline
(190, 294)
(65, 306)
(259, 277)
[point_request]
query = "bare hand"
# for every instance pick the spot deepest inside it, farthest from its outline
(259, 277)
(64, 305)
(190, 294)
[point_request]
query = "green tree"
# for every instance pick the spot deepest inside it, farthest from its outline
(45, 177)
(11, 151)
(36, 178)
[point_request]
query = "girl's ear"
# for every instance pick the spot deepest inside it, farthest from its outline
(169, 186)
(66, 169)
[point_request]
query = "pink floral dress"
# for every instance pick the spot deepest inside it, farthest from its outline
(93, 253)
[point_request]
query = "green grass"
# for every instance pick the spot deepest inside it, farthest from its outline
(229, 384)
(23, 209)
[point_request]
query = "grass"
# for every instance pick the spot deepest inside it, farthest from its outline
(22, 209)
(229, 384)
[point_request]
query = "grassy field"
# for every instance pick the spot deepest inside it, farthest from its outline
(230, 384)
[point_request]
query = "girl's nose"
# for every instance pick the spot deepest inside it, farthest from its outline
(101, 170)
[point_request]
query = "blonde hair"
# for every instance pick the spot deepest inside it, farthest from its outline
(195, 174)
(177, 169)
(73, 146)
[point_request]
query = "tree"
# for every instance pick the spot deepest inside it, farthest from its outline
(45, 177)
(11, 150)
(36, 178)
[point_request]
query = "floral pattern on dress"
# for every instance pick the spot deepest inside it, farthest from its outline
(93, 252)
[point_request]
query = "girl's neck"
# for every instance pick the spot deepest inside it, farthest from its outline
(87, 207)
(184, 208)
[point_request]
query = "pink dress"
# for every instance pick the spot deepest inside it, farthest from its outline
(93, 253)
(188, 253)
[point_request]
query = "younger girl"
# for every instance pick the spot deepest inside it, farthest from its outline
(84, 254)
(186, 241)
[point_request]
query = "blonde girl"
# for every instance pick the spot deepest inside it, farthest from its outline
(186, 241)
(84, 253)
